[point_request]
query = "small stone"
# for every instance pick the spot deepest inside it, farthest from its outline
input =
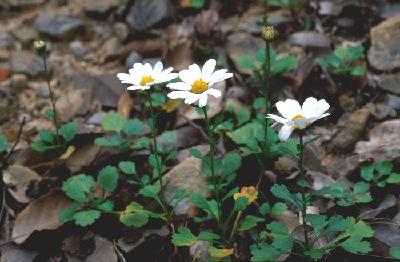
(99, 8)
(78, 49)
(75, 102)
(390, 83)
(96, 118)
(58, 27)
(354, 125)
(133, 57)
(19, 82)
(111, 47)
(25, 62)
(186, 175)
(121, 31)
(381, 111)
(392, 101)
(10, 252)
(26, 35)
(6, 40)
(104, 251)
(199, 251)
(383, 144)
(384, 53)
(310, 39)
(23, 3)
(347, 103)
(146, 13)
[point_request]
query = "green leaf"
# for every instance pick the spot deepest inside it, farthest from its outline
(67, 214)
(197, 3)
(318, 222)
(133, 127)
(282, 192)
(127, 167)
(77, 187)
(158, 99)
(394, 178)
(39, 146)
(395, 252)
(358, 71)
(3, 143)
(315, 253)
(184, 237)
(113, 122)
(47, 136)
(68, 131)
(248, 134)
(283, 243)
(243, 115)
(264, 252)
(106, 206)
(196, 153)
(278, 209)
(258, 103)
(169, 136)
(85, 218)
(336, 224)
(150, 191)
(355, 245)
(245, 61)
(359, 228)
(283, 65)
(241, 203)
(384, 167)
(264, 209)
(231, 163)
(278, 228)
(249, 222)
(134, 219)
(220, 253)
(367, 172)
(208, 236)
(108, 178)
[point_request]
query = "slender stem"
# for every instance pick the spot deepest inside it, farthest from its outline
(155, 148)
(52, 98)
(303, 192)
(212, 153)
(235, 225)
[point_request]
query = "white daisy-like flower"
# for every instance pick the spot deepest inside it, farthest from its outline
(298, 117)
(197, 83)
(143, 76)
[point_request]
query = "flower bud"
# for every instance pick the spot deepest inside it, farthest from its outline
(268, 33)
(40, 47)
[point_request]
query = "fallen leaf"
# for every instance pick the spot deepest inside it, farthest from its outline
(67, 154)
(40, 214)
(104, 251)
(125, 105)
(4, 73)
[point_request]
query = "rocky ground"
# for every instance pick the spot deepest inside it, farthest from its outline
(91, 41)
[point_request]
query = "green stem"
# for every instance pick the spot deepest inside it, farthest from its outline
(155, 148)
(212, 153)
(303, 192)
(52, 99)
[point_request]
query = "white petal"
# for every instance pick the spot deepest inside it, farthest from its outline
(208, 68)
(219, 77)
(289, 108)
(158, 67)
(195, 70)
(187, 76)
(137, 87)
(148, 70)
(125, 78)
(277, 118)
(179, 94)
(137, 69)
(179, 86)
(285, 132)
(166, 77)
(214, 92)
(193, 98)
(312, 108)
(313, 119)
(203, 100)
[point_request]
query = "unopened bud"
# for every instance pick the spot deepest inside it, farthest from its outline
(268, 33)
(40, 47)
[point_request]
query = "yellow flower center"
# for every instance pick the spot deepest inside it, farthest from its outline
(297, 117)
(199, 86)
(146, 79)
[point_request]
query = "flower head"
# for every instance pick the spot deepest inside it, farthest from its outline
(197, 83)
(268, 33)
(250, 192)
(40, 47)
(298, 117)
(143, 76)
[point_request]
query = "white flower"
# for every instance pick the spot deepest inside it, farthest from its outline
(142, 76)
(298, 117)
(197, 83)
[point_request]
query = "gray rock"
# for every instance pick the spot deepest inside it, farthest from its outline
(19, 82)
(390, 83)
(27, 63)
(354, 125)
(146, 13)
(20, 3)
(310, 39)
(106, 88)
(12, 253)
(133, 57)
(392, 101)
(381, 111)
(99, 8)
(26, 35)
(6, 40)
(121, 31)
(384, 53)
(58, 27)
(78, 49)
